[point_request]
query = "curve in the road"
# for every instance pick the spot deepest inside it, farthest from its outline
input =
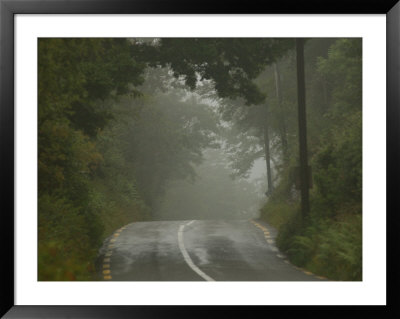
(186, 256)
(211, 250)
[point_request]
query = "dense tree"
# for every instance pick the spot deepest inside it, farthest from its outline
(166, 141)
(104, 153)
(74, 76)
(118, 128)
(333, 81)
(231, 63)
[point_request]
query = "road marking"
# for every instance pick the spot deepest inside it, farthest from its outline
(186, 256)
(268, 239)
(192, 221)
(108, 253)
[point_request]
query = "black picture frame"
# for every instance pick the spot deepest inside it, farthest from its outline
(9, 8)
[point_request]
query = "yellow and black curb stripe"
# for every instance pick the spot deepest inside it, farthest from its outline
(106, 270)
(271, 241)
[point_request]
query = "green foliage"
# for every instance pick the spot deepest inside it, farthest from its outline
(116, 206)
(343, 71)
(110, 143)
(231, 63)
(338, 168)
(74, 76)
(282, 206)
(329, 248)
(339, 255)
(164, 140)
(278, 212)
(65, 242)
(329, 241)
(104, 154)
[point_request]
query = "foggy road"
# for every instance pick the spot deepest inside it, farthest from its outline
(211, 250)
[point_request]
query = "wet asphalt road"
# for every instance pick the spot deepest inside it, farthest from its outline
(212, 250)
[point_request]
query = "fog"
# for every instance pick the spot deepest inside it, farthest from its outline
(203, 174)
(214, 194)
(141, 130)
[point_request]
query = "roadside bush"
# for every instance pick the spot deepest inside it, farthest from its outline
(339, 254)
(66, 240)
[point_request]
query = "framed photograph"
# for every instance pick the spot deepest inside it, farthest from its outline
(150, 146)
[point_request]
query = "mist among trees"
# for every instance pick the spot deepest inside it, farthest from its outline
(170, 129)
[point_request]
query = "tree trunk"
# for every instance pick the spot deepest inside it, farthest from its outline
(281, 117)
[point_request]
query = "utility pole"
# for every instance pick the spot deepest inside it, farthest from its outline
(301, 99)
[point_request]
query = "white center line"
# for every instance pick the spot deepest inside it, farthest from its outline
(186, 255)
